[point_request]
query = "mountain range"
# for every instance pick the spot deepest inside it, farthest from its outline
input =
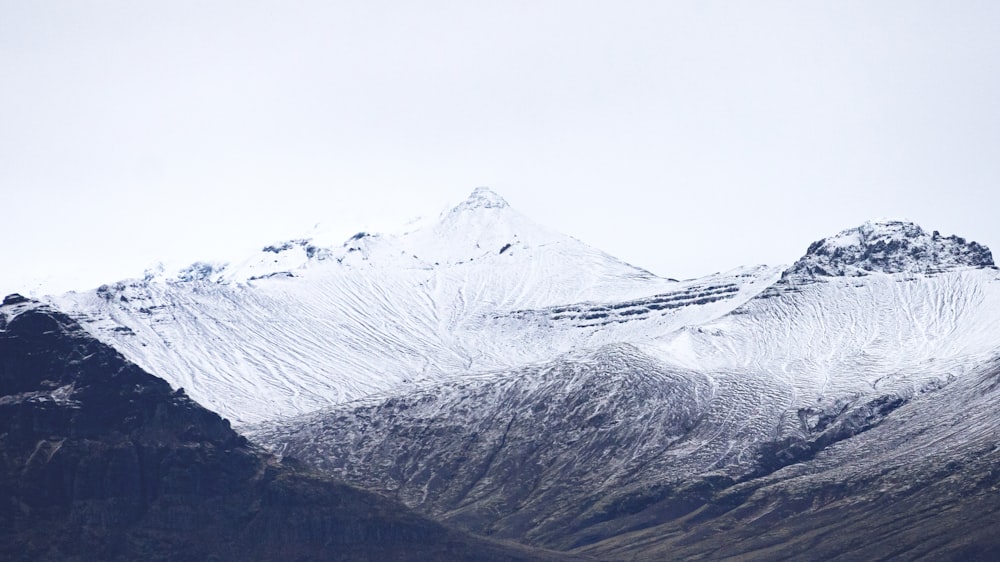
(514, 383)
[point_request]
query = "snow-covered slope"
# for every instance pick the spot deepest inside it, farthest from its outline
(302, 325)
(882, 308)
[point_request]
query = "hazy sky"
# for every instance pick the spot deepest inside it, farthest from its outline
(683, 137)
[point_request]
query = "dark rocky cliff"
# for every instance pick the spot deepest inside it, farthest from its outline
(889, 246)
(100, 460)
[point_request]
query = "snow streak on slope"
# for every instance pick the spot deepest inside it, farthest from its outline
(301, 325)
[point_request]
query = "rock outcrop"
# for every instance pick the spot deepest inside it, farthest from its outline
(889, 247)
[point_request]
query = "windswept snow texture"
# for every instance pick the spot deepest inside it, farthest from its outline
(887, 332)
(301, 325)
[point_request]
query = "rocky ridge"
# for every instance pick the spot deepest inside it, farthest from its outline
(889, 246)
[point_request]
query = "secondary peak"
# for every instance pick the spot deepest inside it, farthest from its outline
(890, 246)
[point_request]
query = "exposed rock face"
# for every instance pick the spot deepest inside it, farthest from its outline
(889, 247)
(100, 460)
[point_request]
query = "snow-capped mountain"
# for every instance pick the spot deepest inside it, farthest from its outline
(300, 326)
(518, 383)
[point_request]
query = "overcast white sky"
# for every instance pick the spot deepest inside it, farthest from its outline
(683, 137)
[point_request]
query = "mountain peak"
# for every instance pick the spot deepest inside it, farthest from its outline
(889, 246)
(483, 198)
